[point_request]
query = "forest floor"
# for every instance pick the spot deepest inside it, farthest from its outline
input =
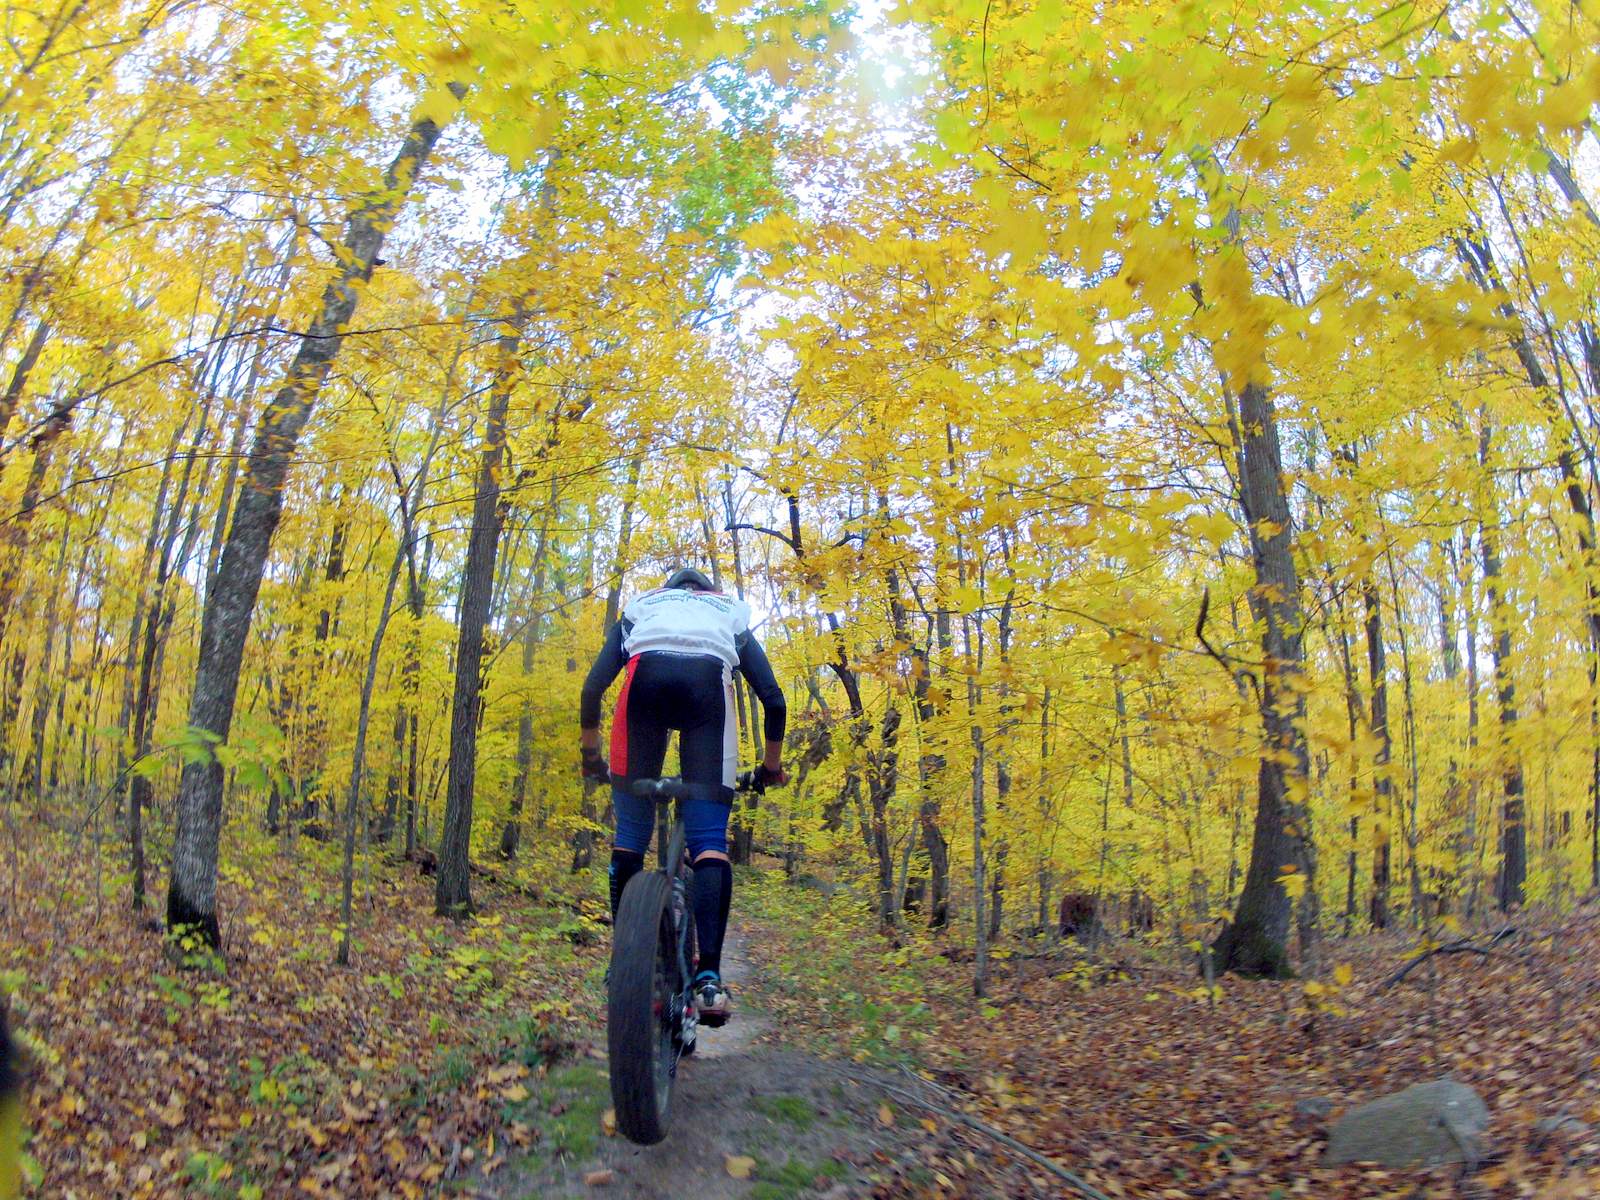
(469, 1059)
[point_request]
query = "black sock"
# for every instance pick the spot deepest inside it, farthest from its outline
(713, 892)
(625, 865)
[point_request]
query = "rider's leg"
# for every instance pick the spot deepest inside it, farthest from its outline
(713, 895)
(709, 749)
(635, 821)
(706, 829)
(638, 746)
(625, 864)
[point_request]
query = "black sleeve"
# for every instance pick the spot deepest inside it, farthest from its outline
(758, 672)
(606, 665)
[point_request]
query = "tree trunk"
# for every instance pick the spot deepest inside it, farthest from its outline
(511, 834)
(1594, 762)
(225, 621)
(358, 756)
(741, 839)
(1382, 786)
(1513, 834)
(20, 373)
(1352, 709)
(930, 771)
(453, 893)
(1412, 834)
(1450, 658)
(33, 780)
(930, 763)
(980, 928)
(980, 925)
(1002, 763)
(1470, 830)
(882, 776)
(14, 539)
(1256, 942)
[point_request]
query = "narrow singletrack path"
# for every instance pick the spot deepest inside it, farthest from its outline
(809, 1127)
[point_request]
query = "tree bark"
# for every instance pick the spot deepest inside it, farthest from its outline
(1470, 831)
(225, 620)
(33, 780)
(882, 778)
(359, 755)
(930, 774)
(453, 893)
(1256, 941)
(1352, 707)
(20, 373)
(510, 836)
(1002, 765)
(1382, 786)
(1513, 835)
(13, 552)
(1412, 832)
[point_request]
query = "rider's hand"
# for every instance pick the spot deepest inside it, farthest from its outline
(594, 767)
(769, 777)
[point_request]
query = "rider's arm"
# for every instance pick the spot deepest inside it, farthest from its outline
(607, 664)
(758, 673)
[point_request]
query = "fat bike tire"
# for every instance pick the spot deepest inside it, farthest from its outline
(641, 1021)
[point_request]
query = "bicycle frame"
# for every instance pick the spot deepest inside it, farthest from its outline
(671, 843)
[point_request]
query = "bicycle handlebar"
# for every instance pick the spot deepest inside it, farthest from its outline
(673, 788)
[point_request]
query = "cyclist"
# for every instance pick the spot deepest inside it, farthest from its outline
(679, 645)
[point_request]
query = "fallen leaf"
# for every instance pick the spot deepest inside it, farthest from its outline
(608, 1122)
(739, 1166)
(599, 1178)
(885, 1115)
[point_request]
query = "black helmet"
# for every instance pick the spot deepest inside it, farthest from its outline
(688, 577)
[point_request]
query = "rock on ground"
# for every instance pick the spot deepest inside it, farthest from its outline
(1426, 1125)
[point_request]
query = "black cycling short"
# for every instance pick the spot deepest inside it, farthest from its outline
(690, 693)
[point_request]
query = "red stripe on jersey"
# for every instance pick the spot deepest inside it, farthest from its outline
(619, 723)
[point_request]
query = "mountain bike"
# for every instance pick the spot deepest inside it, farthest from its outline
(651, 1022)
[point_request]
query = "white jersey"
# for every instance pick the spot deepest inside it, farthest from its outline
(684, 621)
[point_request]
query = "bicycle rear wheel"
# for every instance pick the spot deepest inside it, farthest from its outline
(642, 1018)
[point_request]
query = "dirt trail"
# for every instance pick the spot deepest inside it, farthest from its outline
(810, 1126)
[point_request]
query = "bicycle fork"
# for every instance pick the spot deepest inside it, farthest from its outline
(670, 845)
